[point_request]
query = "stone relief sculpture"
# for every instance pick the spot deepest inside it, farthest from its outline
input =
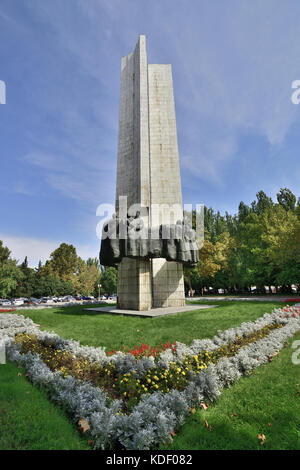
(174, 242)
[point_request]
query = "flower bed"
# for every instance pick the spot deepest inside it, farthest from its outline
(154, 414)
(127, 386)
(145, 350)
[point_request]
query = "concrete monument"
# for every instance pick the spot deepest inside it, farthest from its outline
(151, 242)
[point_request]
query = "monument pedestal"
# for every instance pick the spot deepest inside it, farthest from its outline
(167, 284)
(146, 284)
(134, 284)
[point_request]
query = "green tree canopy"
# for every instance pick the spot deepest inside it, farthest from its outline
(108, 280)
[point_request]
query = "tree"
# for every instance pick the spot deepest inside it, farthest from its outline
(63, 261)
(26, 285)
(4, 253)
(244, 211)
(108, 280)
(93, 262)
(10, 276)
(281, 231)
(262, 203)
(39, 268)
(47, 286)
(10, 273)
(87, 277)
(286, 199)
(207, 267)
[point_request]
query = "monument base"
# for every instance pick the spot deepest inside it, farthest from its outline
(148, 284)
(152, 313)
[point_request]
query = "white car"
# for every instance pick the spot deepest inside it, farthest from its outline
(17, 302)
(46, 300)
(6, 303)
(69, 298)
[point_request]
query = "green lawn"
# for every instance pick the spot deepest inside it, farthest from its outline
(267, 402)
(98, 329)
(31, 422)
(28, 420)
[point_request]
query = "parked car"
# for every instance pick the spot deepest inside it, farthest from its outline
(69, 298)
(112, 297)
(46, 300)
(34, 301)
(6, 303)
(17, 302)
(103, 297)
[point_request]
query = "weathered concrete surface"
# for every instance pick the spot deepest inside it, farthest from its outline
(152, 313)
(165, 183)
(134, 280)
(148, 174)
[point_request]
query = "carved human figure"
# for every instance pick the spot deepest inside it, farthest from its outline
(137, 237)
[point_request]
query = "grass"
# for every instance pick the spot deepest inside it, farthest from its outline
(31, 422)
(28, 420)
(267, 402)
(99, 329)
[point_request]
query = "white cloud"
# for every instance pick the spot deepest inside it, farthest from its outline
(40, 249)
(208, 164)
(76, 177)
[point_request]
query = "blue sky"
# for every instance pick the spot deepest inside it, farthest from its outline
(233, 65)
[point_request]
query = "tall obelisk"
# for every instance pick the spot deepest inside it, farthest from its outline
(148, 174)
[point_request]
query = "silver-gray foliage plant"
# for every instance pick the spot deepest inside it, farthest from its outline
(155, 416)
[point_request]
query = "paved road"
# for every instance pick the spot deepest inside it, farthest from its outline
(263, 298)
(57, 304)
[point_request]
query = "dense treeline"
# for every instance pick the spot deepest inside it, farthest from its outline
(64, 273)
(259, 246)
